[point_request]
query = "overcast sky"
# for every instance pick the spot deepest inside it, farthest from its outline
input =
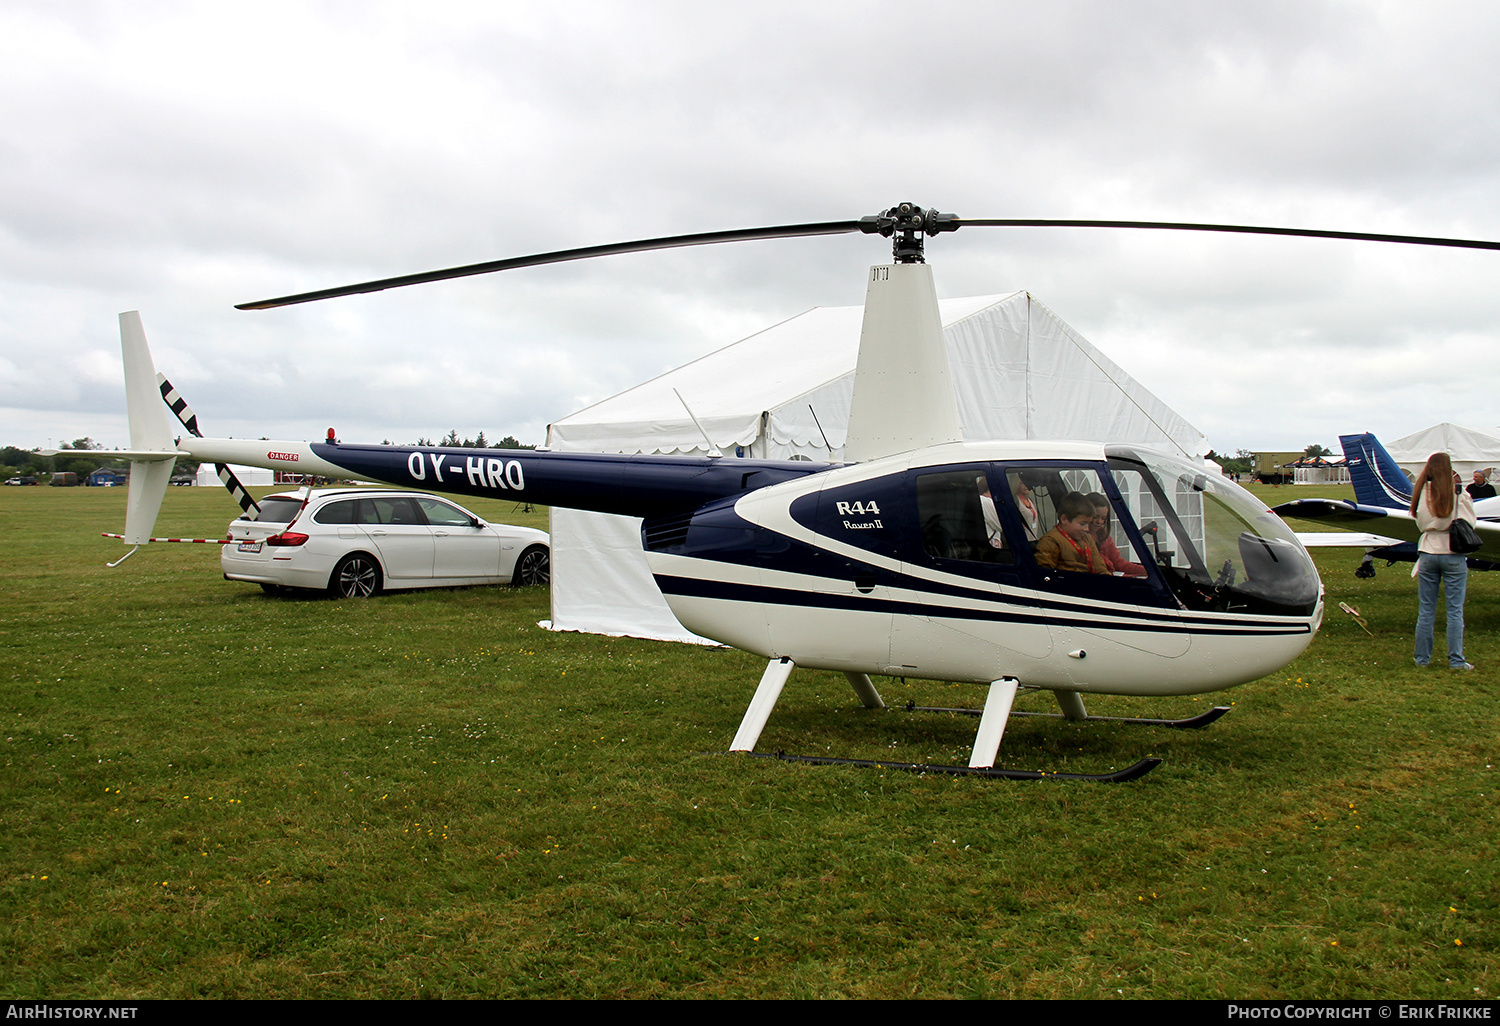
(180, 158)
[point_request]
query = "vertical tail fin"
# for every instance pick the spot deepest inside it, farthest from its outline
(1378, 479)
(149, 432)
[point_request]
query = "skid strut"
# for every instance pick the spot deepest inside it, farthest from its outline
(993, 718)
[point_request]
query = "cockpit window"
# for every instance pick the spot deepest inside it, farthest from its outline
(958, 519)
(1218, 545)
(1092, 541)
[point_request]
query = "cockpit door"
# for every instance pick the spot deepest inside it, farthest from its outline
(1104, 597)
(965, 615)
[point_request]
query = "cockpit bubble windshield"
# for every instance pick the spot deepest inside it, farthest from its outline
(1219, 547)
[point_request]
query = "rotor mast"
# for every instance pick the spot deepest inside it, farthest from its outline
(903, 393)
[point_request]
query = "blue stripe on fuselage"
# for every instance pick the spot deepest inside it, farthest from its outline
(629, 485)
(1096, 618)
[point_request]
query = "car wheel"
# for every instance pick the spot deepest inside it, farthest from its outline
(356, 576)
(533, 569)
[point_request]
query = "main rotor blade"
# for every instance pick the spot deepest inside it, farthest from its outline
(1311, 233)
(783, 231)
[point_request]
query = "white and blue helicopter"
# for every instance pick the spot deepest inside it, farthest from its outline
(913, 559)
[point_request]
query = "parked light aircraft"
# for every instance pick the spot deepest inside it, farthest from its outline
(915, 558)
(1382, 504)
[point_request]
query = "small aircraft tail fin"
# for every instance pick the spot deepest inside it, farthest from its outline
(1378, 479)
(153, 452)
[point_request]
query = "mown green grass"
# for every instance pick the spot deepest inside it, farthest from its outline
(208, 792)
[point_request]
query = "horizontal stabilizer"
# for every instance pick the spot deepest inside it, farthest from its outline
(146, 456)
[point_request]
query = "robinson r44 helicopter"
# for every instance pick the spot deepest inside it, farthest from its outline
(915, 558)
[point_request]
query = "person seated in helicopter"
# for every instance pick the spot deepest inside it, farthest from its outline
(1020, 491)
(992, 529)
(1070, 545)
(1099, 527)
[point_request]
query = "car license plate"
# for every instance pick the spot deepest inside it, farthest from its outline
(249, 546)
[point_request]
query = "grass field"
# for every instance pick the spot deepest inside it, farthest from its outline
(208, 792)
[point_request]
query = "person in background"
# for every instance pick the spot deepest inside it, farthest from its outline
(1436, 500)
(1481, 488)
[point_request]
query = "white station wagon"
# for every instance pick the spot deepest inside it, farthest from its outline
(358, 542)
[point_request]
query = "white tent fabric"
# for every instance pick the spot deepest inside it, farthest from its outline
(208, 477)
(1019, 372)
(1470, 449)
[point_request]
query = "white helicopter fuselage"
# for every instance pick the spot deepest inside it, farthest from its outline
(887, 604)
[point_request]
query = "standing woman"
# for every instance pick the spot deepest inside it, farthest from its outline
(1436, 500)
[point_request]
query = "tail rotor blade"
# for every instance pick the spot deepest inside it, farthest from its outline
(247, 504)
(179, 406)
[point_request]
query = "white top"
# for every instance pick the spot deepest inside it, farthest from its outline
(1435, 528)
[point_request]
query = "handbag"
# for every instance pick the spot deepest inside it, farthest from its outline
(1462, 538)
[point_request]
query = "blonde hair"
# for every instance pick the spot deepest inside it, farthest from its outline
(1439, 474)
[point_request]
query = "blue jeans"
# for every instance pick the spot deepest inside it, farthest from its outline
(1453, 572)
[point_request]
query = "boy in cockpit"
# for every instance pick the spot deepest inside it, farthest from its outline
(1070, 545)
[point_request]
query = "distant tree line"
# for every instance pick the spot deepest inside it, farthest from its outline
(18, 462)
(1243, 460)
(452, 441)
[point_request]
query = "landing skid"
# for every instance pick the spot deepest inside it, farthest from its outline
(993, 718)
(1134, 772)
(1203, 719)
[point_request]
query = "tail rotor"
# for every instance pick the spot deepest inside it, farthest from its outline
(184, 413)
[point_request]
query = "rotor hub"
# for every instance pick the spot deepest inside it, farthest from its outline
(904, 225)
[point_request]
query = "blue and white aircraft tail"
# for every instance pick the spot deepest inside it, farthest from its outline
(1378, 479)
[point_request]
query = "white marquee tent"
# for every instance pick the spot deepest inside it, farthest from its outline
(208, 477)
(1470, 449)
(783, 393)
